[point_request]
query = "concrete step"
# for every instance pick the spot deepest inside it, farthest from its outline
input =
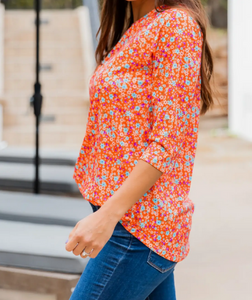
(55, 141)
(42, 209)
(61, 19)
(46, 128)
(27, 284)
(16, 101)
(6, 294)
(72, 66)
(48, 53)
(47, 108)
(64, 87)
(47, 76)
(48, 83)
(25, 36)
(64, 119)
(47, 156)
(59, 119)
(47, 251)
(63, 92)
(54, 179)
(30, 43)
(52, 136)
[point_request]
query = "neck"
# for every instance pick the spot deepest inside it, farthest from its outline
(141, 8)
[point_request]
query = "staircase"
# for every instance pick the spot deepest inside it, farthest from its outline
(64, 85)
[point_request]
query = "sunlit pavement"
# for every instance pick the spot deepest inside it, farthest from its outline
(219, 265)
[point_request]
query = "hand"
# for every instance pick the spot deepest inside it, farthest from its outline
(92, 232)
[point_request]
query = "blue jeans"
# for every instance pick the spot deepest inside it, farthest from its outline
(126, 269)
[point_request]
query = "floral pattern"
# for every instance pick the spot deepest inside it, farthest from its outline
(145, 104)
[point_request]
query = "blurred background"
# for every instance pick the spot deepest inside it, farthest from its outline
(35, 222)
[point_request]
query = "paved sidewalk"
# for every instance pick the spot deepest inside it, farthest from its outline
(19, 295)
(219, 265)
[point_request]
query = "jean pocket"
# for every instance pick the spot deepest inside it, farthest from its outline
(160, 263)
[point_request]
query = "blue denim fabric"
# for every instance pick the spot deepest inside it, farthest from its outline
(126, 269)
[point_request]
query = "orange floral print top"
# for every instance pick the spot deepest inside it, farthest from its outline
(145, 104)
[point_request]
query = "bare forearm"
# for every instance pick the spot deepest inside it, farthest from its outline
(140, 180)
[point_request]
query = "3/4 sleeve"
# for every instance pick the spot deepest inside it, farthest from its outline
(176, 71)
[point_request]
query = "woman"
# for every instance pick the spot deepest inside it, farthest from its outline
(135, 165)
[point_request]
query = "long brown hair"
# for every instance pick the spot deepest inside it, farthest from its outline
(117, 16)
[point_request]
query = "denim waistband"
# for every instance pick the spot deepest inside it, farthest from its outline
(119, 229)
(94, 207)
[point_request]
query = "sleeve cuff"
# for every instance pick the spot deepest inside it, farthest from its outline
(156, 155)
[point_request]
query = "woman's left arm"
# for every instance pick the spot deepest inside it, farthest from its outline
(140, 180)
(96, 229)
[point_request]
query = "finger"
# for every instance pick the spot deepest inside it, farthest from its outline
(87, 251)
(79, 248)
(71, 244)
(89, 248)
(95, 252)
(71, 235)
(83, 256)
